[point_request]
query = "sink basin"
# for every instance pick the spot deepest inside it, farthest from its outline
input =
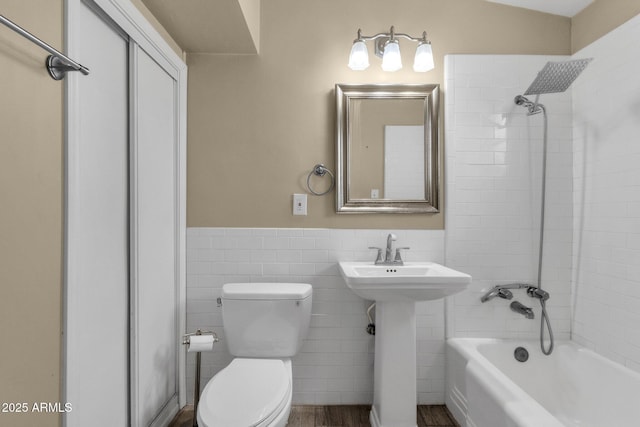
(413, 281)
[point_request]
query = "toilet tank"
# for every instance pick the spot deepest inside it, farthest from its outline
(266, 319)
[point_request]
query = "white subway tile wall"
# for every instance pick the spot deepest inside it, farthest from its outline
(606, 315)
(493, 183)
(335, 365)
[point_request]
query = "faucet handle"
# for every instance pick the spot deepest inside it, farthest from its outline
(534, 292)
(379, 256)
(398, 257)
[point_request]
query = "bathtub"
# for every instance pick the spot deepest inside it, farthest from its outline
(488, 387)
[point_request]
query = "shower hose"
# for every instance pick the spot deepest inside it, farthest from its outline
(544, 318)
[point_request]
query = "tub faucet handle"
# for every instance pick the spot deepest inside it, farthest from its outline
(497, 291)
(534, 292)
(505, 294)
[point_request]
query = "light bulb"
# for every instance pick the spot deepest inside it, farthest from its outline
(423, 61)
(359, 56)
(391, 60)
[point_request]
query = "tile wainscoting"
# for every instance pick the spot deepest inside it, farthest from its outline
(335, 365)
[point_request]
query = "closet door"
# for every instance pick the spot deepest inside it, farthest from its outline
(154, 333)
(96, 311)
(125, 220)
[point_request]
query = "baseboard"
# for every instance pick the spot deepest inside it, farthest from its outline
(167, 414)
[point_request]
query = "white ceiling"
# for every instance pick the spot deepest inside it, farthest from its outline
(568, 8)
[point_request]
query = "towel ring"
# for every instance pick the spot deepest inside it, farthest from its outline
(320, 170)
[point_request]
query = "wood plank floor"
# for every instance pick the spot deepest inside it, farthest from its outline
(340, 416)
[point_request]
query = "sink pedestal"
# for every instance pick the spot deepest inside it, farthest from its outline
(394, 389)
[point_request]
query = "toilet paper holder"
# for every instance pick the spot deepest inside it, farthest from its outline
(186, 340)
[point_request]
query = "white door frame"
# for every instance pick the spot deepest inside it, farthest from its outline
(140, 31)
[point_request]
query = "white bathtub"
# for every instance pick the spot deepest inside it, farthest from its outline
(488, 387)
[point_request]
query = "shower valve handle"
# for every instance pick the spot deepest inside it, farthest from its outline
(534, 292)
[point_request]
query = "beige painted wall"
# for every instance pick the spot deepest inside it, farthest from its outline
(599, 18)
(258, 124)
(31, 221)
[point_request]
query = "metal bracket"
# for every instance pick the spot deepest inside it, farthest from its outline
(57, 68)
(380, 43)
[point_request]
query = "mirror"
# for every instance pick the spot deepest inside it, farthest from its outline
(387, 144)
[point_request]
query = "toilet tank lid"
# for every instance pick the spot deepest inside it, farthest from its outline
(266, 291)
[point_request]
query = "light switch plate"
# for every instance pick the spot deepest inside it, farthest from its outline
(299, 204)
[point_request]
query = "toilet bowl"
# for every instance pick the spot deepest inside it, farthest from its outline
(264, 325)
(248, 393)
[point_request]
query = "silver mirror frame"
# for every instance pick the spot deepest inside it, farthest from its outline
(345, 93)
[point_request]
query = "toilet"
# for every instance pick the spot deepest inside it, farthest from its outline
(264, 326)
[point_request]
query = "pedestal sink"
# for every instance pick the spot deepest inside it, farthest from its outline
(395, 289)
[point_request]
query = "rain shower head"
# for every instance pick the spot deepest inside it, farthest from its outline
(557, 76)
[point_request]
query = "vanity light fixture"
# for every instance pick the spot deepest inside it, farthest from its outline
(388, 48)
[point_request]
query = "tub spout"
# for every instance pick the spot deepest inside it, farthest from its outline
(522, 309)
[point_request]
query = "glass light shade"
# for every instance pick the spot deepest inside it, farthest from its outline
(391, 60)
(423, 61)
(359, 56)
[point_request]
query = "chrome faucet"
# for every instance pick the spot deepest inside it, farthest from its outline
(503, 292)
(388, 258)
(390, 239)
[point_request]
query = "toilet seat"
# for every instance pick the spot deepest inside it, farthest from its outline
(247, 393)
